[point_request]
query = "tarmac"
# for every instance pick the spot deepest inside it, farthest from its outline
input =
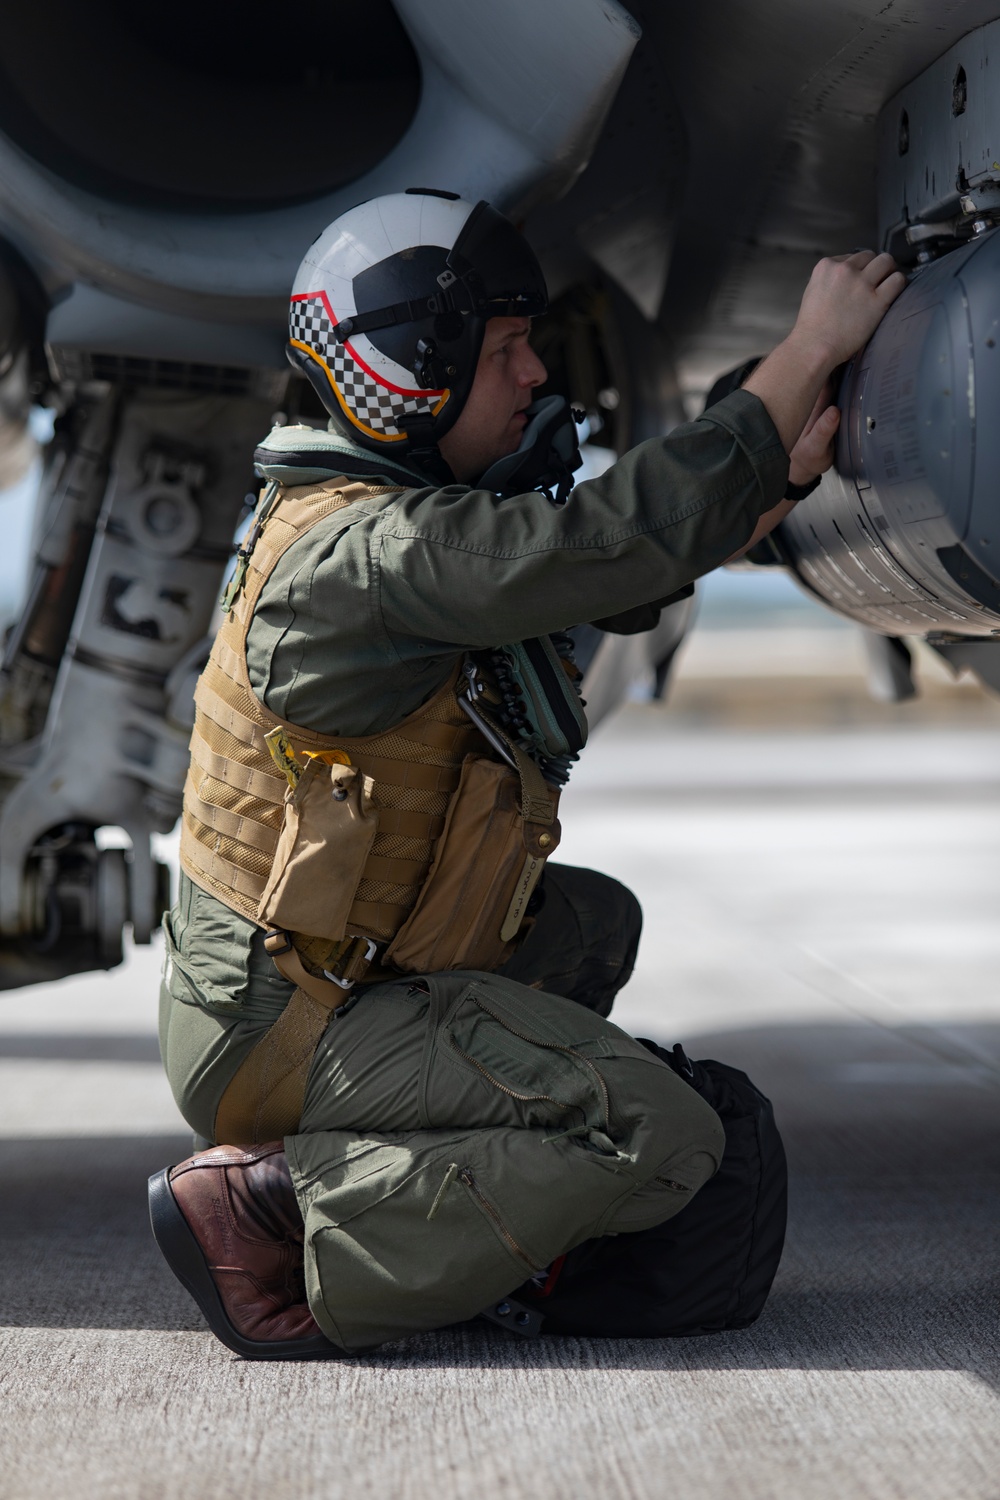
(821, 911)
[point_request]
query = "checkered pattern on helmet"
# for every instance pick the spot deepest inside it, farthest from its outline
(309, 323)
(377, 406)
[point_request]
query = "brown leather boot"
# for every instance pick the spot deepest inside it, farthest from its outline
(230, 1229)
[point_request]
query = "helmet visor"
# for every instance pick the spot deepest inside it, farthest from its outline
(497, 267)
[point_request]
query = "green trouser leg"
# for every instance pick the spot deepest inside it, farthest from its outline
(461, 1132)
(221, 991)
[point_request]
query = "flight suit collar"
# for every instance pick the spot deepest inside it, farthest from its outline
(298, 454)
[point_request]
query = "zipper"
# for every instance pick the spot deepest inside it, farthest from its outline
(503, 1087)
(678, 1187)
(548, 1047)
(467, 1180)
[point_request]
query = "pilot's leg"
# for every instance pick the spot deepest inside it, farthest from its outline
(462, 1131)
(221, 991)
(584, 939)
(459, 1132)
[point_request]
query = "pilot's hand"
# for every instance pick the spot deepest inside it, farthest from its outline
(845, 300)
(813, 453)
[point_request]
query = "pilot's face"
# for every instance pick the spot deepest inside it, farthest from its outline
(493, 418)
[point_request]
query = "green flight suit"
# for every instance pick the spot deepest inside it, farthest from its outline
(461, 1130)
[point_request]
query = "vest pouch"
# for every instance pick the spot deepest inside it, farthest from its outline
(329, 827)
(486, 865)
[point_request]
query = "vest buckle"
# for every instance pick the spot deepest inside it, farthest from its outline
(277, 942)
(351, 962)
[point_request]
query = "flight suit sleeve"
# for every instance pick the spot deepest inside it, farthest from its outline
(462, 566)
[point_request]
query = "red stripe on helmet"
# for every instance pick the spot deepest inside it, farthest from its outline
(400, 390)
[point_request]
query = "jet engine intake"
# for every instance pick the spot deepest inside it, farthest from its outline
(227, 109)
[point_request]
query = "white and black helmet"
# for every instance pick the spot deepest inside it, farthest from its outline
(389, 308)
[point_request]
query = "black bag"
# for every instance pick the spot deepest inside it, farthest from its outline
(711, 1266)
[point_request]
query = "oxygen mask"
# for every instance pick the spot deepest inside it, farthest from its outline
(547, 456)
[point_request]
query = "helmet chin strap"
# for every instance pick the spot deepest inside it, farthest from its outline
(546, 457)
(424, 453)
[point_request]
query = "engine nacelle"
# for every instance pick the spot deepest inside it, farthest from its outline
(156, 263)
(904, 534)
(176, 237)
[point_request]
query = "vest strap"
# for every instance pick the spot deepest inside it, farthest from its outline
(263, 1100)
(349, 962)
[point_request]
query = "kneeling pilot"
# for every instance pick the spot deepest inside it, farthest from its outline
(375, 986)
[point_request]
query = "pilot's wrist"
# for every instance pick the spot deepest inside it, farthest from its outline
(797, 492)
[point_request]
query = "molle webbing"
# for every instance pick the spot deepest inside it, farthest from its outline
(234, 794)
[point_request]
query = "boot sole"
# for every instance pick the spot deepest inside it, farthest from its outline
(183, 1255)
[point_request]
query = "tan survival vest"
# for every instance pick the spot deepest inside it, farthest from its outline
(382, 812)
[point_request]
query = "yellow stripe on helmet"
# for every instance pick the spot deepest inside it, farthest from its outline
(381, 437)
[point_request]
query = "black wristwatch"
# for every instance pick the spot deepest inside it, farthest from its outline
(799, 492)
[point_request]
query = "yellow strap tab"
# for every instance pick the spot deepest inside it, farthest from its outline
(283, 755)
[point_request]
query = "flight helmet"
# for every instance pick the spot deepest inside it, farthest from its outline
(389, 308)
